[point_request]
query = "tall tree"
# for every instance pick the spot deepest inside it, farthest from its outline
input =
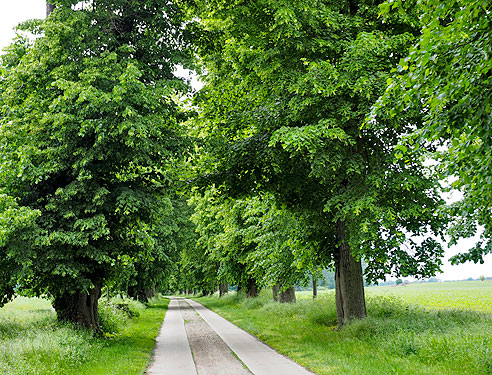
(447, 74)
(89, 137)
(288, 86)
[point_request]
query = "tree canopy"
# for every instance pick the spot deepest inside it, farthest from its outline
(447, 76)
(90, 140)
(307, 149)
(288, 88)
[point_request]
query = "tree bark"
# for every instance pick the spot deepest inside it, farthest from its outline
(149, 293)
(141, 294)
(79, 308)
(349, 283)
(49, 8)
(288, 295)
(223, 289)
(252, 289)
(275, 290)
(315, 287)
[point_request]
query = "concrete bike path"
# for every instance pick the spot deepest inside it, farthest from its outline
(172, 353)
(202, 346)
(257, 356)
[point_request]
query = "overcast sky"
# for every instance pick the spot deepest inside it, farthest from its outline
(17, 11)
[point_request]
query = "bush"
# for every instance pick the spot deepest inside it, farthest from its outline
(110, 317)
(114, 314)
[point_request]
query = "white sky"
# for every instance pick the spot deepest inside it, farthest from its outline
(13, 12)
(17, 11)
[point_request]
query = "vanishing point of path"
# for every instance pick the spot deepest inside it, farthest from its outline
(196, 341)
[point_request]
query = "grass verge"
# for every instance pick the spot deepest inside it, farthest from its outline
(396, 338)
(33, 342)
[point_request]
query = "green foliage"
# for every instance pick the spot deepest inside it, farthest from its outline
(287, 90)
(196, 270)
(250, 238)
(143, 275)
(116, 313)
(90, 143)
(14, 220)
(446, 76)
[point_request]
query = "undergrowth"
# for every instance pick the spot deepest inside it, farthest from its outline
(115, 313)
(32, 341)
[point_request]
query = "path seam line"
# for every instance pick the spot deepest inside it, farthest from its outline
(256, 355)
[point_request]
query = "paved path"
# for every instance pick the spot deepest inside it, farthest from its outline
(215, 344)
(172, 352)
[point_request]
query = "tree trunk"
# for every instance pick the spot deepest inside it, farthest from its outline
(288, 295)
(315, 287)
(149, 293)
(252, 290)
(223, 289)
(349, 283)
(140, 294)
(79, 308)
(49, 9)
(275, 290)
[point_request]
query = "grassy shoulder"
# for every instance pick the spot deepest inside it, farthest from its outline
(398, 337)
(33, 342)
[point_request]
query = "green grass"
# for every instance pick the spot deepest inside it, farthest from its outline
(462, 295)
(437, 328)
(33, 342)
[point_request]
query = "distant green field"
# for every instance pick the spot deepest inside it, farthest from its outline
(461, 295)
(417, 329)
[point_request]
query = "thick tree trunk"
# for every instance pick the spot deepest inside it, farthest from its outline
(275, 290)
(315, 287)
(349, 283)
(149, 293)
(288, 295)
(79, 308)
(142, 295)
(49, 8)
(252, 289)
(223, 289)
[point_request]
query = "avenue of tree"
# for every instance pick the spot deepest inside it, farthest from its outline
(307, 148)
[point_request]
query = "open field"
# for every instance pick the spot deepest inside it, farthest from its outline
(434, 328)
(33, 342)
(462, 295)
